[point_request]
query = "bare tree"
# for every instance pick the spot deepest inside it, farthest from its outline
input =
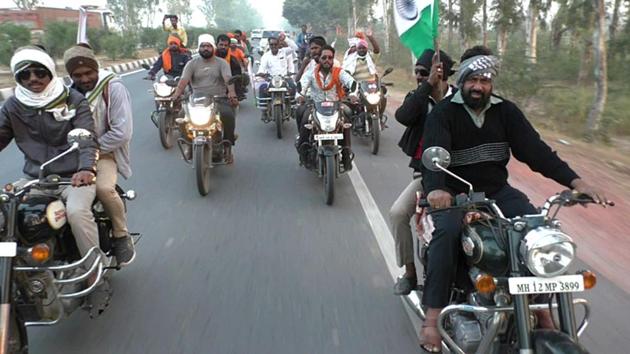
(614, 23)
(532, 30)
(26, 4)
(484, 22)
(601, 70)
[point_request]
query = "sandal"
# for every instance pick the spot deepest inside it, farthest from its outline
(428, 340)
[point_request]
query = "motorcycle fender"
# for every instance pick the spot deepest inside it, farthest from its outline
(328, 150)
(555, 342)
(200, 140)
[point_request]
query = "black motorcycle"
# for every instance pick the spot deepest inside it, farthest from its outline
(42, 274)
(166, 108)
(323, 151)
(368, 120)
(514, 266)
(280, 105)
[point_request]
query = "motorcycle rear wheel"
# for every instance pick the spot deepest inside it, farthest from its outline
(201, 162)
(165, 129)
(330, 167)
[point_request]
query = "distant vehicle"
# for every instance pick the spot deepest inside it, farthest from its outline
(256, 34)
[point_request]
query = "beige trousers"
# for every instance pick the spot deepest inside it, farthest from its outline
(400, 216)
(106, 177)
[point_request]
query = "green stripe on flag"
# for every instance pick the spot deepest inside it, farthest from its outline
(420, 36)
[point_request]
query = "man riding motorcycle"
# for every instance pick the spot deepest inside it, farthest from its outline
(326, 83)
(209, 75)
(223, 51)
(481, 131)
(39, 116)
(110, 104)
(274, 62)
(172, 60)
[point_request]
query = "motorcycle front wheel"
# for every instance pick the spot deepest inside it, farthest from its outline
(18, 340)
(277, 116)
(165, 128)
(376, 133)
(330, 167)
(201, 163)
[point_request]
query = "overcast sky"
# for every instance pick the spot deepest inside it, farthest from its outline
(270, 10)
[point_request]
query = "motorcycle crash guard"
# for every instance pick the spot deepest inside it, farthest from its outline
(555, 342)
(328, 150)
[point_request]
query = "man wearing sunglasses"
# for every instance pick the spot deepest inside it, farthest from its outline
(110, 103)
(172, 60)
(39, 116)
(431, 77)
(274, 62)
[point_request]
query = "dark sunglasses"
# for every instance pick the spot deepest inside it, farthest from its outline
(325, 57)
(25, 74)
(423, 72)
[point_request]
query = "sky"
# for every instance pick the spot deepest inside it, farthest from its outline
(270, 10)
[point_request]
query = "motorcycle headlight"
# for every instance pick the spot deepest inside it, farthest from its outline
(162, 89)
(277, 81)
(199, 116)
(373, 98)
(328, 123)
(547, 252)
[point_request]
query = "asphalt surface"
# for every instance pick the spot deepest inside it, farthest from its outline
(261, 264)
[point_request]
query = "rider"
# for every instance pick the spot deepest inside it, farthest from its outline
(110, 104)
(238, 53)
(481, 130)
(431, 77)
(42, 104)
(326, 83)
(302, 42)
(274, 62)
(288, 46)
(175, 27)
(172, 60)
(223, 51)
(244, 44)
(209, 75)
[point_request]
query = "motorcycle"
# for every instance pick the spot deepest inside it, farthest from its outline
(203, 135)
(166, 108)
(280, 105)
(324, 151)
(368, 120)
(42, 274)
(512, 264)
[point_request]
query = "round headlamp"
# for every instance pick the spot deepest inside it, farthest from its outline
(162, 89)
(199, 116)
(277, 81)
(547, 252)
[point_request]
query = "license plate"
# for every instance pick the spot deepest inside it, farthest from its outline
(277, 89)
(537, 285)
(8, 249)
(328, 137)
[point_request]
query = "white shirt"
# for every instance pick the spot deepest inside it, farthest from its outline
(274, 64)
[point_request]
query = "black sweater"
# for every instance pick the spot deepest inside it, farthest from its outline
(480, 155)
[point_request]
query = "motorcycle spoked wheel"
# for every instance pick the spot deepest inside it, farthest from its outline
(330, 168)
(201, 162)
(277, 116)
(376, 133)
(165, 128)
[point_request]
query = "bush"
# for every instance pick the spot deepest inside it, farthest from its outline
(59, 36)
(11, 38)
(117, 46)
(95, 37)
(153, 38)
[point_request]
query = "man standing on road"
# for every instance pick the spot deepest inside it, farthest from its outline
(480, 130)
(39, 116)
(431, 77)
(111, 108)
(209, 76)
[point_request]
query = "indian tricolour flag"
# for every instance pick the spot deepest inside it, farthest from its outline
(417, 23)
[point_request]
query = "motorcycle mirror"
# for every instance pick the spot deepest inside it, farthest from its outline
(146, 66)
(434, 156)
(388, 71)
(79, 136)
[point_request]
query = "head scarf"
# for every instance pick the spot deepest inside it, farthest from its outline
(486, 65)
(205, 38)
(167, 60)
(362, 43)
(426, 60)
(54, 94)
(79, 56)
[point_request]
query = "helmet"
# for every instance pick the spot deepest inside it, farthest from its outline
(40, 218)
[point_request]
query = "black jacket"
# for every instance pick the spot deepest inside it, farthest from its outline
(412, 114)
(40, 137)
(178, 61)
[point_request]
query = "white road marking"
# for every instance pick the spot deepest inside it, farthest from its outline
(383, 236)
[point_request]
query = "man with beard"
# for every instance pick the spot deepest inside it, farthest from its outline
(431, 77)
(326, 83)
(172, 60)
(223, 51)
(111, 108)
(315, 45)
(208, 75)
(480, 130)
(274, 62)
(39, 116)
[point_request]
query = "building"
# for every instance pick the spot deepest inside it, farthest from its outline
(37, 18)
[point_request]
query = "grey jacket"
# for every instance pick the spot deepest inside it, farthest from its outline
(40, 137)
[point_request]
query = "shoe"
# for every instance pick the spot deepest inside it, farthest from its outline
(124, 250)
(405, 285)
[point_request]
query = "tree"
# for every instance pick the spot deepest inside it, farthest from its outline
(26, 4)
(11, 38)
(536, 12)
(127, 12)
(468, 26)
(181, 8)
(601, 70)
(615, 19)
(59, 36)
(224, 14)
(508, 15)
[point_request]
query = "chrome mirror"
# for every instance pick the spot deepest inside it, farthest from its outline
(434, 156)
(79, 136)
